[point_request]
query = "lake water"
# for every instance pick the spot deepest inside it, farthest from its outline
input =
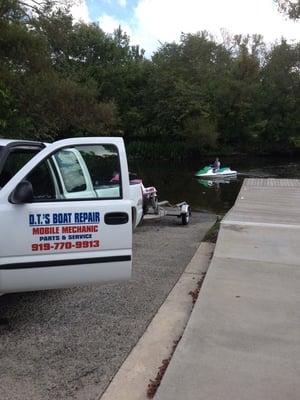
(176, 182)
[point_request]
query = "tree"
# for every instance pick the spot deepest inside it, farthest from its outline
(280, 96)
(44, 93)
(290, 8)
(44, 7)
(59, 78)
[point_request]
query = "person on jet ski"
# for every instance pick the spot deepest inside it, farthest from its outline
(216, 165)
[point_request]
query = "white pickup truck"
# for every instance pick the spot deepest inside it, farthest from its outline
(64, 220)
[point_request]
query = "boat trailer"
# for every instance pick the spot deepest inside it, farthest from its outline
(165, 209)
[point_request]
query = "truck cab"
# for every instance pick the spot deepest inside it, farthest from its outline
(64, 220)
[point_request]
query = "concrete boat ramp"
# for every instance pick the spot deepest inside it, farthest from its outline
(242, 341)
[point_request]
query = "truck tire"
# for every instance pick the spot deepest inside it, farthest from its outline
(185, 218)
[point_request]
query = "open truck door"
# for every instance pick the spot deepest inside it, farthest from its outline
(63, 222)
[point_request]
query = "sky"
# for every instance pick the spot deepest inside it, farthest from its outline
(151, 22)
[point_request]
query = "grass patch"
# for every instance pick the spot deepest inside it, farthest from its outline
(212, 235)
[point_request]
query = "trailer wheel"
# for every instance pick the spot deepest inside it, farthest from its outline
(185, 218)
(154, 203)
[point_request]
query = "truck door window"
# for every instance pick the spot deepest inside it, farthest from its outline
(103, 165)
(16, 159)
(42, 182)
(78, 172)
(71, 171)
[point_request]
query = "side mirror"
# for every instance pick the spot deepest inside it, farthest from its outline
(22, 194)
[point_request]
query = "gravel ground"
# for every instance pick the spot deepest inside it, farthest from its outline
(68, 344)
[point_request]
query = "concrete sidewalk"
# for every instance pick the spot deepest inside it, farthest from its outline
(242, 341)
(156, 344)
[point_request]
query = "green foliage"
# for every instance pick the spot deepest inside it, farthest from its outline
(60, 79)
(47, 90)
(200, 133)
(6, 110)
(212, 235)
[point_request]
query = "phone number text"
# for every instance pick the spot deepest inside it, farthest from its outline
(65, 245)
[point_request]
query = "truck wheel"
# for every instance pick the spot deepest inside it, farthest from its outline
(185, 218)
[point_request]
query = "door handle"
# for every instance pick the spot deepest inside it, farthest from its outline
(116, 218)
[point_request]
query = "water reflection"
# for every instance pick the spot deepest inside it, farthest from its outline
(217, 182)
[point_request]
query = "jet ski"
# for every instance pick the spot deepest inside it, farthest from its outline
(210, 172)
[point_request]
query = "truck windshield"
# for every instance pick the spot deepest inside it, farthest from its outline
(15, 160)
